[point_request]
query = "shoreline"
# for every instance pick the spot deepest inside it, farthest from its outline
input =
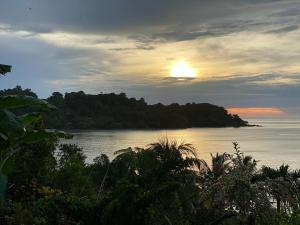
(152, 129)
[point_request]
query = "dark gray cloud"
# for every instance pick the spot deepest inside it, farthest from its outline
(284, 30)
(291, 11)
(147, 22)
(95, 15)
(213, 29)
(248, 91)
(115, 15)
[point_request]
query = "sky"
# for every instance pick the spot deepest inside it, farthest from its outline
(245, 53)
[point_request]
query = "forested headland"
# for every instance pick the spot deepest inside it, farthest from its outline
(77, 110)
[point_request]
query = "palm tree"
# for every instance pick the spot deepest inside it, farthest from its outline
(233, 188)
(164, 158)
(163, 178)
(176, 156)
(220, 163)
(283, 185)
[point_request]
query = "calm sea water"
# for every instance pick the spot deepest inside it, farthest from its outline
(274, 143)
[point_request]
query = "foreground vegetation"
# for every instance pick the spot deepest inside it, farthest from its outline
(77, 110)
(164, 183)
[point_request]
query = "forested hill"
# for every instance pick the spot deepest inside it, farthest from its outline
(77, 110)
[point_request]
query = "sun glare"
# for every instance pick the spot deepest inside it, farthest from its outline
(181, 69)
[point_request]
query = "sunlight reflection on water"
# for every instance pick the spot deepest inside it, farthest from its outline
(275, 143)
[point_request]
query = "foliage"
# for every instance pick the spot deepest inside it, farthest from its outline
(158, 183)
(77, 110)
(17, 130)
(164, 183)
(70, 173)
(18, 91)
(4, 69)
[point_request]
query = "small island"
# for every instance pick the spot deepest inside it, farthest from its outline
(77, 110)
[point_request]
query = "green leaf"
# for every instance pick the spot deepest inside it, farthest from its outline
(8, 166)
(43, 135)
(3, 187)
(3, 136)
(59, 133)
(10, 123)
(36, 136)
(30, 118)
(15, 101)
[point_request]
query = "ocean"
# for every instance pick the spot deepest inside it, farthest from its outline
(273, 143)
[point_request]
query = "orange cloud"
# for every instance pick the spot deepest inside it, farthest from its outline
(257, 112)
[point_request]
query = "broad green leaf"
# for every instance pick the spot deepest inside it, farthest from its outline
(10, 123)
(8, 167)
(3, 187)
(59, 133)
(30, 118)
(15, 101)
(3, 136)
(40, 135)
(32, 137)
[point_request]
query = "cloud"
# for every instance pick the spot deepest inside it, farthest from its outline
(258, 112)
(284, 30)
(104, 15)
(229, 91)
(118, 15)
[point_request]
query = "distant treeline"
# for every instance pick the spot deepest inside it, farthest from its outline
(77, 110)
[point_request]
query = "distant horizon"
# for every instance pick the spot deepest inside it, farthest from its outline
(247, 113)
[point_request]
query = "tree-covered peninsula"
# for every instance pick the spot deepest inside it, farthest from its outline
(77, 110)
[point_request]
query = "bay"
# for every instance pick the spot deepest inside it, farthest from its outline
(274, 143)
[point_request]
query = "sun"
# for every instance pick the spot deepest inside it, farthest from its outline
(181, 69)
